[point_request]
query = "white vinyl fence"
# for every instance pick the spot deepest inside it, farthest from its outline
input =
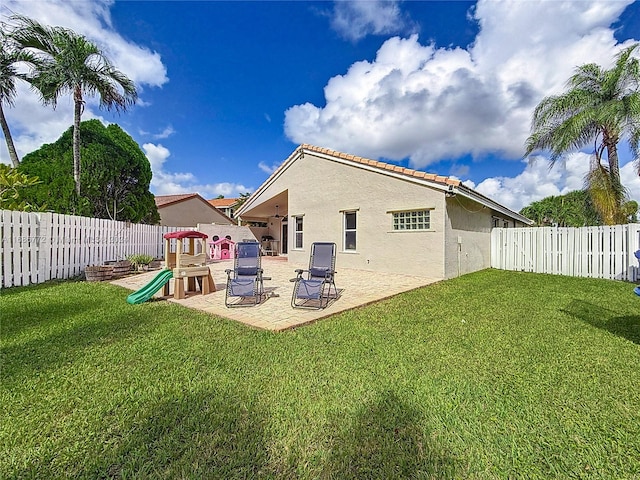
(37, 247)
(597, 252)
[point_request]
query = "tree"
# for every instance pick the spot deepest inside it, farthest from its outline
(600, 107)
(574, 209)
(70, 64)
(242, 199)
(12, 184)
(115, 175)
(10, 58)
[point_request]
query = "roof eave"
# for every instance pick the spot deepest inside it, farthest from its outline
(492, 204)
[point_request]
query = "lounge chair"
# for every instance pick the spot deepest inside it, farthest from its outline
(637, 289)
(245, 281)
(312, 287)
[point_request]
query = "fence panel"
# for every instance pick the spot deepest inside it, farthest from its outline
(37, 247)
(597, 252)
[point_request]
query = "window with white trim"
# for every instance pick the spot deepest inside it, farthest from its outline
(412, 220)
(350, 223)
(298, 232)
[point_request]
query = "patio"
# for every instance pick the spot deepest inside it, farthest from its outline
(356, 288)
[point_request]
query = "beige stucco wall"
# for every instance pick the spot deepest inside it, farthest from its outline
(321, 190)
(189, 213)
(467, 237)
(237, 233)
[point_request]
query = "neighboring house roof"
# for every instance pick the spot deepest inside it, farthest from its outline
(163, 201)
(446, 184)
(223, 202)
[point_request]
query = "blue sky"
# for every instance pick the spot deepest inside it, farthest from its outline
(229, 89)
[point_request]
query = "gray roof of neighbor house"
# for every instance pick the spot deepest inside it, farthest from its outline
(167, 200)
(164, 200)
(446, 184)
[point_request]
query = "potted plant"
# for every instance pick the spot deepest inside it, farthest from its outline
(140, 261)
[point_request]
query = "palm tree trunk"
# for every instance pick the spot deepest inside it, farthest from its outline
(7, 135)
(77, 97)
(614, 168)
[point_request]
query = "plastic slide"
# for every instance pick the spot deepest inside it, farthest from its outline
(146, 292)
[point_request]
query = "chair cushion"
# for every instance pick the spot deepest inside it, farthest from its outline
(318, 272)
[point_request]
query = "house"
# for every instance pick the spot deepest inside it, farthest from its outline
(382, 217)
(188, 209)
(225, 205)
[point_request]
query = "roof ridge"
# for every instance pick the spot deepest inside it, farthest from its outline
(410, 172)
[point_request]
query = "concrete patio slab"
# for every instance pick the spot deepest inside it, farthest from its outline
(356, 288)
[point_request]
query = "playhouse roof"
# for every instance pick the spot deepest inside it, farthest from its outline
(185, 234)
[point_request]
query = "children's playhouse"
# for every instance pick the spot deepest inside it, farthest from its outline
(222, 248)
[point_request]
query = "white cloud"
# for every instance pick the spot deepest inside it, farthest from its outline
(354, 20)
(166, 133)
(268, 168)
(539, 180)
(429, 104)
(631, 180)
(164, 182)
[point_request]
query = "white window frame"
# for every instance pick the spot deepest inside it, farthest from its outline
(298, 245)
(411, 220)
(346, 230)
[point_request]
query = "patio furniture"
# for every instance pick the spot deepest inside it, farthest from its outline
(245, 280)
(637, 289)
(312, 287)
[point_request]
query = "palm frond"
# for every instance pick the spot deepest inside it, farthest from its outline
(599, 108)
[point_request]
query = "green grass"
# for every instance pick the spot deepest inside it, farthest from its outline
(492, 375)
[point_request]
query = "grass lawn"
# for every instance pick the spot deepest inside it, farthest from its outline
(491, 375)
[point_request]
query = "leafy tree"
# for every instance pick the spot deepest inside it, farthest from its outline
(70, 64)
(600, 107)
(574, 209)
(115, 173)
(242, 199)
(12, 183)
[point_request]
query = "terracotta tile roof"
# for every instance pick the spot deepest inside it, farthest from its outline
(222, 202)
(164, 200)
(383, 166)
(396, 169)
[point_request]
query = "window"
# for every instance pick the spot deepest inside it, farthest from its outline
(349, 231)
(413, 220)
(500, 222)
(298, 232)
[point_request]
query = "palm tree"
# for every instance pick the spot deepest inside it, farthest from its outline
(71, 64)
(600, 107)
(10, 57)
